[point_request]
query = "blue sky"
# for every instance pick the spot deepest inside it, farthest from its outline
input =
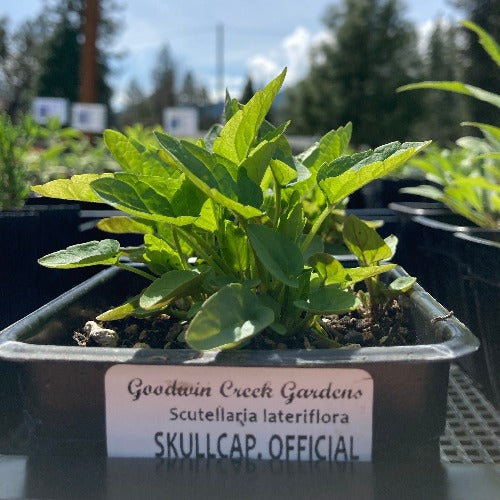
(260, 36)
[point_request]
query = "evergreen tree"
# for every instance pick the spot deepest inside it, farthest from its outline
(60, 68)
(20, 54)
(164, 82)
(444, 111)
(248, 91)
(355, 76)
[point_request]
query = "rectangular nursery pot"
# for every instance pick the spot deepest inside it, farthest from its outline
(480, 254)
(60, 388)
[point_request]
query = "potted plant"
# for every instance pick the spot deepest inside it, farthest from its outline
(470, 189)
(246, 302)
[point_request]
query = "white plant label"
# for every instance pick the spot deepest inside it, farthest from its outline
(303, 414)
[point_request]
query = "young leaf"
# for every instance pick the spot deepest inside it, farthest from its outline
(169, 287)
(235, 247)
(331, 146)
(77, 188)
(364, 242)
(279, 254)
(227, 319)
(328, 300)
(239, 133)
(121, 225)
(104, 252)
(129, 308)
(402, 284)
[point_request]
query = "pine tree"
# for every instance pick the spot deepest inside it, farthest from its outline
(354, 77)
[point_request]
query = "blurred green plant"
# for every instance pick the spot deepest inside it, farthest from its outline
(16, 139)
(468, 180)
(64, 151)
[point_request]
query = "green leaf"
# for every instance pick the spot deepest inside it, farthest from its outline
(77, 188)
(169, 287)
(331, 146)
(458, 88)
(392, 242)
(104, 252)
(278, 253)
(402, 284)
(129, 308)
(211, 135)
(256, 163)
(173, 201)
(347, 174)
(213, 184)
(424, 190)
(227, 319)
(356, 274)
(135, 158)
(239, 133)
(122, 224)
(159, 255)
(329, 269)
(328, 300)
(235, 249)
(364, 241)
(488, 43)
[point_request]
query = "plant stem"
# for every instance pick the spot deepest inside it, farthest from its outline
(317, 224)
(132, 269)
(277, 212)
(177, 243)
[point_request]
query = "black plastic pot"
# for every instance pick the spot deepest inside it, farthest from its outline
(381, 192)
(409, 234)
(61, 387)
(480, 255)
(28, 234)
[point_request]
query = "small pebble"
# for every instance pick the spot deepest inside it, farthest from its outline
(101, 336)
(353, 337)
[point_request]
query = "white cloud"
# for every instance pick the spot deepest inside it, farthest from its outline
(293, 52)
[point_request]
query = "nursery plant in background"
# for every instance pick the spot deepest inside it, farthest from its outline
(471, 191)
(224, 228)
(470, 188)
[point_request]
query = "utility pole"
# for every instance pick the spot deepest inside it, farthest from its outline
(88, 57)
(219, 60)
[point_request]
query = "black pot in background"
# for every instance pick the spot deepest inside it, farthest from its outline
(27, 235)
(380, 192)
(409, 233)
(480, 254)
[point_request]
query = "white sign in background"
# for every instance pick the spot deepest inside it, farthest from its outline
(305, 414)
(89, 117)
(44, 108)
(181, 121)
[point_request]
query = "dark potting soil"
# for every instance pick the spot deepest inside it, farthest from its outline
(355, 329)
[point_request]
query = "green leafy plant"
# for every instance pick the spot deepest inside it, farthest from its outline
(472, 192)
(15, 141)
(225, 239)
(370, 249)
